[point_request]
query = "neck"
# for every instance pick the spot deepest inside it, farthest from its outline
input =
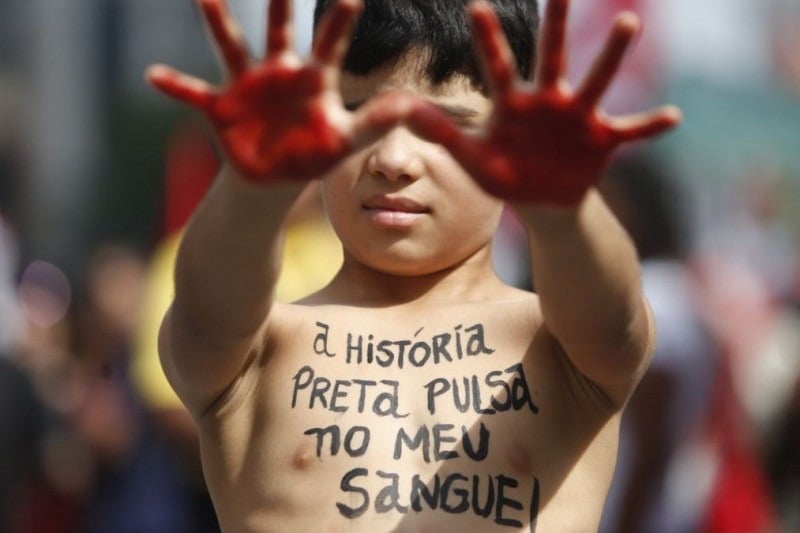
(473, 279)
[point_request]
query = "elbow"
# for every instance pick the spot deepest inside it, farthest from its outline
(619, 357)
(630, 350)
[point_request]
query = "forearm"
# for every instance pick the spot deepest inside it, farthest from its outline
(229, 258)
(586, 274)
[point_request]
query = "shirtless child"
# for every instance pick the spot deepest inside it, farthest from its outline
(416, 392)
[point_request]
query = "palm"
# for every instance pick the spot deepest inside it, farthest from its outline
(542, 150)
(281, 118)
(545, 143)
(295, 138)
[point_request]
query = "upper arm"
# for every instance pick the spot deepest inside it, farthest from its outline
(202, 371)
(610, 375)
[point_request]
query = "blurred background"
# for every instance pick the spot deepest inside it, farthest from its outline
(98, 174)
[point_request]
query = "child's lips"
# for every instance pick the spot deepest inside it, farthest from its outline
(394, 211)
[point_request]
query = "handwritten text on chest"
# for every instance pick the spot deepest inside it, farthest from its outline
(506, 389)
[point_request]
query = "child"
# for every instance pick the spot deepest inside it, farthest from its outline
(416, 391)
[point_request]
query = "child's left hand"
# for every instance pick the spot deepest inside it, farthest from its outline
(545, 143)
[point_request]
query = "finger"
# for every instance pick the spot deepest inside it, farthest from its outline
(227, 34)
(432, 124)
(379, 115)
(605, 68)
(646, 125)
(181, 87)
(279, 27)
(333, 36)
(493, 49)
(552, 55)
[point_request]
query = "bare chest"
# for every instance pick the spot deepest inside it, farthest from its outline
(376, 422)
(404, 421)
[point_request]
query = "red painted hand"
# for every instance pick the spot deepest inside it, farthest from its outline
(282, 118)
(544, 143)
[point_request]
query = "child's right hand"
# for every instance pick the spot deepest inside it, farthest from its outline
(282, 117)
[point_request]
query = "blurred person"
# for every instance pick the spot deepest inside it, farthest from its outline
(651, 492)
(766, 361)
(783, 461)
(781, 438)
(764, 241)
(53, 503)
(746, 290)
(21, 420)
(102, 467)
(20, 408)
(137, 485)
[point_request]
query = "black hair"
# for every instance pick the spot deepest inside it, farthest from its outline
(388, 29)
(650, 204)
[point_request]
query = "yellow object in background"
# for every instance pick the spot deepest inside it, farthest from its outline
(312, 255)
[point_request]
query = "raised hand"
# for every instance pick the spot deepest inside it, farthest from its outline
(544, 142)
(282, 118)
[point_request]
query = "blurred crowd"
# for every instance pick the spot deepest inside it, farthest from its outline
(94, 440)
(81, 450)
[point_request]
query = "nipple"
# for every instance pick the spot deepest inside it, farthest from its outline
(520, 461)
(303, 457)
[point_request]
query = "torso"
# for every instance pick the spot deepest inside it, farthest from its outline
(458, 418)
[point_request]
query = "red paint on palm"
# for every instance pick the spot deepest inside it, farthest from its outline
(279, 118)
(524, 157)
(272, 122)
(544, 143)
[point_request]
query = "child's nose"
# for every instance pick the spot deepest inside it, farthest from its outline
(394, 156)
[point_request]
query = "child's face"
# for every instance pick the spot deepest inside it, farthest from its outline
(403, 205)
